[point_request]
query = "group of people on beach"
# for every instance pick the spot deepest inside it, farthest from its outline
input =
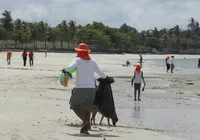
(25, 55)
(170, 63)
(81, 100)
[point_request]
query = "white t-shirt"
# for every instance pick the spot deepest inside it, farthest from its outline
(138, 77)
(85, 72)
(171, 60)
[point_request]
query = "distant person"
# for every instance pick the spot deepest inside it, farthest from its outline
(137, 80)
(141, 59)
(167, 63)
(128, 63)
(172, 64)
(45, 53)
(24, 56)
(9, 55)
(31, 57)
(199, 63)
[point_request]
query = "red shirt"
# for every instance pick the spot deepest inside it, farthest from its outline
(24, 54)
(31, 55)
(9, 54)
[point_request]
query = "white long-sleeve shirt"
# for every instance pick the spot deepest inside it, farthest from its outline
(85, 72)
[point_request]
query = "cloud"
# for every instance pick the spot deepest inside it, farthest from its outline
(141, 14)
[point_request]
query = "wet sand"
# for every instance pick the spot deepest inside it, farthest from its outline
(35, 106)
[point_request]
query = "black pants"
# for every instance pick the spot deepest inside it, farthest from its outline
(168, 66)
(24, 60)
(8, 61)
(31, 61)
(137, 88)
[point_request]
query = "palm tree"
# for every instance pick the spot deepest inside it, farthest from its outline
(72, 30)
(176, 37)
(64, 32)
(6, 23)
(42, 29)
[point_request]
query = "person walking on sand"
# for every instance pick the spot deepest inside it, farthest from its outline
(167, 63)
(83, 94)
(172, 64)
(31, 57)
(9, 55)
(141, 59)
(45, 53)
(137, 80)
(24, 55)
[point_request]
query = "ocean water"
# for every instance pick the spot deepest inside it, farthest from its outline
(190, 63)
(181, 65)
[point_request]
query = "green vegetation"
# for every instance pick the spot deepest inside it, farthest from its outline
(39, 35)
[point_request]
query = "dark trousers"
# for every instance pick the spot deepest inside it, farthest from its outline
(8, 61)
(31, 61)
(24, 60)
(168, 66)
(137, 88)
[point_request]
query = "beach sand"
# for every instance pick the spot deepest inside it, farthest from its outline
(34, 106)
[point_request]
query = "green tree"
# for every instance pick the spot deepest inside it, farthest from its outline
(6, 23)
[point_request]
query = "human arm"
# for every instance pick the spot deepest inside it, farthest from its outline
(99, 71)
(70, 66)
(132, 80)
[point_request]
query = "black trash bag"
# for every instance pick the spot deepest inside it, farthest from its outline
(104, 97)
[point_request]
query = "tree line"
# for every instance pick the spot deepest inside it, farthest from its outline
(99, 36)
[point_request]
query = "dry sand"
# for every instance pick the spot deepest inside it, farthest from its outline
(34, 106)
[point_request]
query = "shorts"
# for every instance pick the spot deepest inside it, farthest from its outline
(137, 86)
(82, 97)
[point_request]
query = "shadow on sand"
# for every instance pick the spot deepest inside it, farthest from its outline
(92, 135)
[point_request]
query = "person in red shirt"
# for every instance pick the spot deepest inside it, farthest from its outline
(24, 55)
(31, 56)
(9, 55)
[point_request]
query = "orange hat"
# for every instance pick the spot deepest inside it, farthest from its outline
(82, 47)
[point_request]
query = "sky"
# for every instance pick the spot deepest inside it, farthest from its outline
(140, 14)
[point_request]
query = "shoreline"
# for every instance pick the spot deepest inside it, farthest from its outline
(93, 52)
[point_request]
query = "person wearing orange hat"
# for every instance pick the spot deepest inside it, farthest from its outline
(83, 94)
(167, 63)
(137, 80)
(9, 55)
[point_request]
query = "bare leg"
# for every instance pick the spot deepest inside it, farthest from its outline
(84, 116)
(79, 113)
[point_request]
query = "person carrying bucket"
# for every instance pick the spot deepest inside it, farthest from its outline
(83, 94)
(137, 80)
